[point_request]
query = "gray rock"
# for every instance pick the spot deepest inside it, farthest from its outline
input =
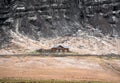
(52, 18)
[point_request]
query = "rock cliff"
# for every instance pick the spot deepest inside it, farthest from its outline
(37, 19)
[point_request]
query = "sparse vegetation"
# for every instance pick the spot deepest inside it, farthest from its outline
(45, 81)
(110, 57)
(35, 52)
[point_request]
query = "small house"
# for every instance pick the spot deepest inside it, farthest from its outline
(60, 48)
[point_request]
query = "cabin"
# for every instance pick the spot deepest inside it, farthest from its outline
(60, 48)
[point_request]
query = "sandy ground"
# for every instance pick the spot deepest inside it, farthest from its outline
(61, 68)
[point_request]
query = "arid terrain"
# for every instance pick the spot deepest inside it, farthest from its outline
(61, 68)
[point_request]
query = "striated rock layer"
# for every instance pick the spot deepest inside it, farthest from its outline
(39, 19)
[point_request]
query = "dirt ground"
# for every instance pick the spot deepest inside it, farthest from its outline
(61, 68)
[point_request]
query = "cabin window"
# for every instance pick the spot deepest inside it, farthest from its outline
(57, 50)
(61, 50)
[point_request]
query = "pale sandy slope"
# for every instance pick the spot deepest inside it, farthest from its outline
(81, 44)
(62, 68)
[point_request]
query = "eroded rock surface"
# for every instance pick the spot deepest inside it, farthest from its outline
(38, 19)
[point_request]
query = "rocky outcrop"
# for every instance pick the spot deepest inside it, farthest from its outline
(53, 18)
(104, 15)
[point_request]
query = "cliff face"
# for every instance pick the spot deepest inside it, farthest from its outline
(53, 18)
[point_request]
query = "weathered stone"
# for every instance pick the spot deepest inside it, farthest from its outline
(52, 18)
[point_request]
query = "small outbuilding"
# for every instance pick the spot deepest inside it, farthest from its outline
(60, 48)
